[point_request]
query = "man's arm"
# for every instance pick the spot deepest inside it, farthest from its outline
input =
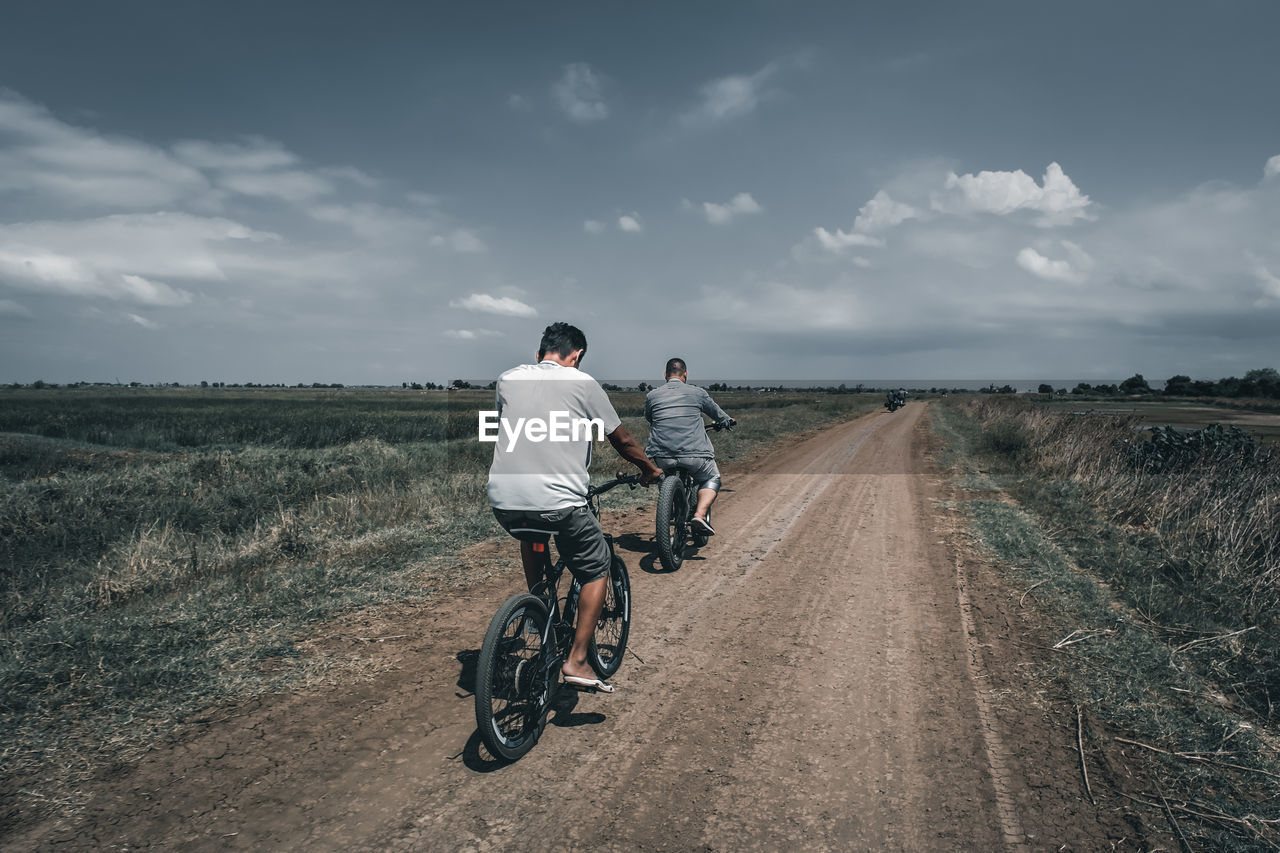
(630, 451)
(717, 414)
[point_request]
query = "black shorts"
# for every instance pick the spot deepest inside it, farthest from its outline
(579, 538)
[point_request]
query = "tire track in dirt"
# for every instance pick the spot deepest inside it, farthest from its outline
(803, 683)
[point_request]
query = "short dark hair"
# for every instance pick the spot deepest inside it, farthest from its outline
(676, 365)
(562, 339)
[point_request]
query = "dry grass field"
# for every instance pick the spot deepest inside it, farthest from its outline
(165, 550)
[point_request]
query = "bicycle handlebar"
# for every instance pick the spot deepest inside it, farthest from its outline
(631, 480)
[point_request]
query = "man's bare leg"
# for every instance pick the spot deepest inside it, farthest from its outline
(590, 605)
(706, 497)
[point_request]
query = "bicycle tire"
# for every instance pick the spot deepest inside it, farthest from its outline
(672, 525)
(512, 692)
(609, 643)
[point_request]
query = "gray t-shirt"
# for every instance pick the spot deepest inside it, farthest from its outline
(547, 417)
(675, 410)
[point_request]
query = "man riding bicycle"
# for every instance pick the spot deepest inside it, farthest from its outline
(678, 438)
(548, 414)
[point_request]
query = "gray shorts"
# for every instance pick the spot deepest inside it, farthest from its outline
(579, 538)
(705, 472)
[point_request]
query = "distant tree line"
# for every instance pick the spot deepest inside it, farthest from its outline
(1263, 382)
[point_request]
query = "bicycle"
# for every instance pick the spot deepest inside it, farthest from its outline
(677, 502)
(518, 672)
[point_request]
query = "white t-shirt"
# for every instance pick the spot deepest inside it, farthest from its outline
(548, 415)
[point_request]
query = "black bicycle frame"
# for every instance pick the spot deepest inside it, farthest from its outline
(547, 589)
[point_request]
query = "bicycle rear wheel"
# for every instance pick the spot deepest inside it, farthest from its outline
(672, 522)
(511, 681)
(610, 640)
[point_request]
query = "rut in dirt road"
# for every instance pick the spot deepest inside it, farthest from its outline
(803, 683)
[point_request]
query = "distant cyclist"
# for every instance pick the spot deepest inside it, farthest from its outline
(678, 437)
(541, 481)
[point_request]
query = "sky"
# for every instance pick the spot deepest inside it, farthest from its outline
(385, 192)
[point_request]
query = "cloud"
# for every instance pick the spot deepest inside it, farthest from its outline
(882, 212)
(519, 103)
(722, 214)
(879, 214)
(46, 157)
(841, 240)
(486, 304)
(1058, 200)
(472, 334)
(9, 308)
(1272, 169)
(1037, 264)
(730, 97)
(579, 93)
(119, 256)
(630, 223)
(593, 226)
(153, 292)
(143, 321)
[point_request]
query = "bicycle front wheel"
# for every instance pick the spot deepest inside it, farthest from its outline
(511, 680)
(610, 640)
(672, 522)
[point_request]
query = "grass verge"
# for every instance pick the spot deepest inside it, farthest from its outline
(1183, 674)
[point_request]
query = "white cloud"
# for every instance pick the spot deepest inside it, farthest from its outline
(9, 308)
(729, 97)
(471, 334)
(878, 214)
(143, 322)
(1272, 169)
(519, 103)
(841, 240)
(82, 167)
(486, 304)
(722, 214)
(593, 226)
(117, 257)
(1037, 264)
(579, 93)
(153, 292)
(630, 223)
(882, 212)
(1058, 200)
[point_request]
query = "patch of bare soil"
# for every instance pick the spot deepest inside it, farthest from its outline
(831, 672)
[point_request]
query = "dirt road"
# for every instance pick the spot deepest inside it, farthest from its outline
(820, 677)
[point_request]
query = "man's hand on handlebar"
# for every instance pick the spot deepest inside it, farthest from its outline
(653, 475)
